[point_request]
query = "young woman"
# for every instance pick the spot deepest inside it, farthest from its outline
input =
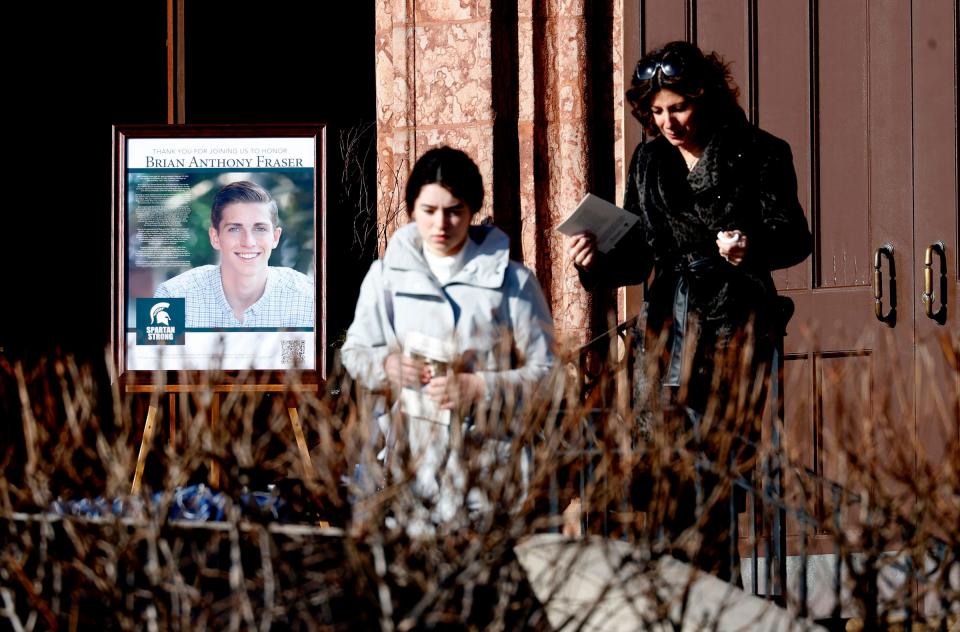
(452, 284)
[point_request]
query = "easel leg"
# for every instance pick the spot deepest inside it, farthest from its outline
(308, 471)
(148, 428)
(173, 421)
(301, 443)
(214, 476)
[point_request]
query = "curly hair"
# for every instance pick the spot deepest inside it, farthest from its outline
(704, 79)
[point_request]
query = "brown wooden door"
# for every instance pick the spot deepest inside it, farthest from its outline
(849, 385)
(866, 95)
(935, 194)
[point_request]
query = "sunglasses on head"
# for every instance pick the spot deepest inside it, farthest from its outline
(669, 65)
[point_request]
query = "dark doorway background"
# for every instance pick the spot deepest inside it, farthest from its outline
(75, 70)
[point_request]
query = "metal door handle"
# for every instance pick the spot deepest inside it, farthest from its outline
(928, 295)
(890, 318)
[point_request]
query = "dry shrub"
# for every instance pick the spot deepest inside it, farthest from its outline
(383, 563)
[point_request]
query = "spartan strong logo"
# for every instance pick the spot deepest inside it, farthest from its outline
(159, 329)
(160, 321)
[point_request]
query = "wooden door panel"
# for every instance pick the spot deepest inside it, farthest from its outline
(799, 440)
(783, 92)
(860, 199)
(833, 319)
(842, 245)
(842, 406)
(663, 21)
(936, 211)
(722, 25)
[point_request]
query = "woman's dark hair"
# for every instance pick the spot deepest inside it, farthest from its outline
(242, 191)
(683, 68)
(453, 170)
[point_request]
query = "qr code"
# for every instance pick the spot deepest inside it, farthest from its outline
(292, 351)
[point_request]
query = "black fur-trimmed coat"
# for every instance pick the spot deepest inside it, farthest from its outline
(744, 180)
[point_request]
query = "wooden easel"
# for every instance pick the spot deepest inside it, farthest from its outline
(176, 115)
(173, 389)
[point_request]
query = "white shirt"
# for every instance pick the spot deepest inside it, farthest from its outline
(444, 267)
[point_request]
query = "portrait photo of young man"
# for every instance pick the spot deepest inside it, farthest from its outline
(243, 290)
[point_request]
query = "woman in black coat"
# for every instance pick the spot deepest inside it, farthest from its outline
(717, 204)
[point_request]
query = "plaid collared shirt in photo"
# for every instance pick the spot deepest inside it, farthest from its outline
(287, 300)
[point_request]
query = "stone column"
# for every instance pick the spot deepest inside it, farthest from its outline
(526, 87)
(433, 88)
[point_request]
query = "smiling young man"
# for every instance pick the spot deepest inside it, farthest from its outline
(243, 290)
